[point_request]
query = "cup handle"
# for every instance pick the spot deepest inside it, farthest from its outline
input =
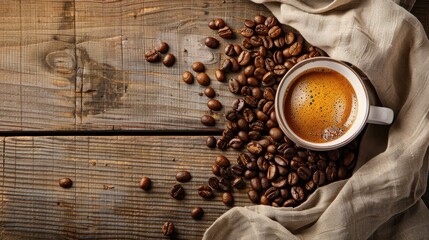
(380, 115)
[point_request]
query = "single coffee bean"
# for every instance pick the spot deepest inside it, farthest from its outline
(246, 44)
(256, 41)
(261, 29)
(211, 42)
(280, 182)
(269, 95)
(229, 50)
(249, 174)
(267, 42)
(243, 159)
(211, 142)
(242, 79)
(212, 25)
(342, 172)
(235, 143)
(168, 229)
(226, 65)
(295, 49)
(244, 58)
(256, 91)
(248, 115)
(269, 64)
(279, 42)
(243, 135)
(197, 213)
(235, 67)
(261, 116)
(238, 169)
(268, 107)
(216, 169)
(292, 178)
(255, 183)
(259, 19)
(162, 47)
(297, 193)
(289, 152)
(269, 79)
(310, 185)
(263, 164)
(238, 105)
(183, 176)
(274, 32)
(220, 75)
(177, 192)
(259, 63)
(248, 71)
(272, 172)
(65, 182)
(214, 104)
(289, 38)
(278, 58)
(205, 192)
(322, 164)
(203, 79)
(251, 101)
(253, 82)
(280, 70)
(169, 60)
(214, 183)
(264, 201)
(210, 92)
(259, 72)
(348, 159)
(303, 57)
(145, 183)
(304, 173)
(238, 183)
(289, 203)
(152, 55)
(249, 23)
(254, 148)
(271, 21)
(238, 49)
(284, 193)
(225, 32)
(219, 23)
(257, 125)
(187, 77)
(224, 184)
(331, 173)
(227, 199)
(271, 193)
(246, 90)
(252, 166)
(208, 120)
(246, 32)
(198, 67)
(253, 196)
(222, 161)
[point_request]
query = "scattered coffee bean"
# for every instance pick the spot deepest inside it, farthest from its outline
(66, 182)
(225, 32)
(212, 25)
(209, 92)
(169, 60)
(162, 47)
(214, 104)
(220, 75)
(145, 183)
(168, 229)
(208, 120)
(227, 199)
(219, 23)
(211, 142)
(203, 79)
(187, 77)
(211, 42)
(152, 55)
(205, 192)
(253, 196)
(259, 19)
(222, 161)
(177, 192)
(183, 176)
(274, 32)
(197, 213)
(198, 67)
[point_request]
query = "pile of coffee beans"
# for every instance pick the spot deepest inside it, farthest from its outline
(154, 55)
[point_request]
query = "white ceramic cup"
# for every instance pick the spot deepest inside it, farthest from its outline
(365, 112)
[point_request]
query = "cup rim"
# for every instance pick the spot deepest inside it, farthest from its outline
(336, 143)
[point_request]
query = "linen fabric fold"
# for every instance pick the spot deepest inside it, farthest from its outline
(382, 199)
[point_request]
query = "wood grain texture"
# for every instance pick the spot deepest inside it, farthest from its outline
(105, 200)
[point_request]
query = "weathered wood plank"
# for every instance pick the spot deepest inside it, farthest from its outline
(105, 200)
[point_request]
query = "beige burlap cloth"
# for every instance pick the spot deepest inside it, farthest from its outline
(382, 200)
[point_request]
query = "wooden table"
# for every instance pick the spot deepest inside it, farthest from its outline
(79, 101)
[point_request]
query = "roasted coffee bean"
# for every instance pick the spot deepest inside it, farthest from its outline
(214, 104)
(242, 79)
(278, 58)
(145, 183)
(263, 164)
(287, 55)
(226, 65)
(269, 79)
(267, 42)
(310, 185)
(246, 90)
(280, 182)
(235, 143)
(255, 183)
(238, 183)
(187, 77)
(302, 57)
(220, 75)
(284, 193)
(65, 182)
(254, 148)
(314, 53)
(251, 101)
(276, 134)
(259, 72)
(264, 201)
(238, 49)
(152, 55)
(279, 42)
(209, 92)
(233, 86)
(243, 159)
(252, 81)
(246, 32)
(198, 67)
(211, 42)
(233, 127)
(271, 21)
(235, 67)
(208, 120)
(244, 136)
(183, 176)
(216, 169)
(265, 183)
(278, 201)
(197, 213)
(214, 183)
(257, 125)
(272, 172)
(226, 173)
(252, 165)
(322, 164)
(259, 63)
(246, 44)
(248, 115)
(227, 199)
(283, 171)
(259, 19)
(249, 23)
(261, 29)
(295, 49)
(212, 25)
(297, 193)
(342, 172)
(253, 196)
(168, 229)
(289, 152)
(211, 142)
(225, 32)
(289, 38)
(331, 173)
(205, 192)
(248, 71)
(242, 124)
(238, 169)
(231, 115)
(269, 64)
(289, 203)
(271, 193)
(244, 58)
(254, 135)
(261, 116)
(249, 174)
(162, 47)
(229, 50)
(219, 23)
(238, 105)
(222, 161)
(256, 41)
(292, 178)
(269, 94)
(274, 32)
(257, 92)
(348, 159)
(281, 160)
(177, 192)
(203, 79)
(264, 142)
(227, 134)
(169, 60)
(304, 173)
